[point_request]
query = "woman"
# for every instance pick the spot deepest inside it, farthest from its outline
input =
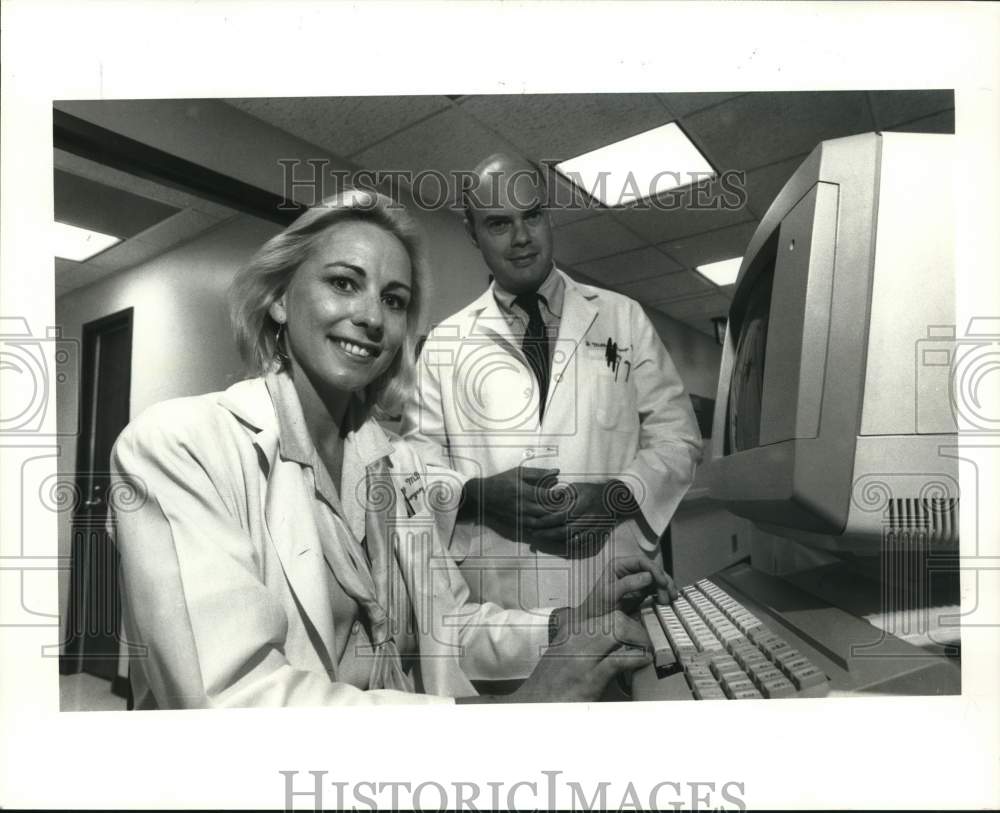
(282, 549)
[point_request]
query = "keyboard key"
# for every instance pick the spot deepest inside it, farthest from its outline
(790, 665)
(778, 688)
(687, 654)
(766, 675)
(713, 692)
(734, 686)
(663, 653)
(773, 648)
(808, 677)
(787, 654)
(761, 636)
(702, 683)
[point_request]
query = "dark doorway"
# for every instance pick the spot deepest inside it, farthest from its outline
(94, 617)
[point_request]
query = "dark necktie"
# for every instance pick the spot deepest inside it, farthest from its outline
(536, 346)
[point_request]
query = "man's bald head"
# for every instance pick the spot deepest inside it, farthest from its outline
(502, 178)
(505, 217)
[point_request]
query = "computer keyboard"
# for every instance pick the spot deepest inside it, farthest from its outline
(724, 650)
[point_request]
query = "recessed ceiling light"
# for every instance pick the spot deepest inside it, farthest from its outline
(722, 273)
(74, 243)
(638, 167)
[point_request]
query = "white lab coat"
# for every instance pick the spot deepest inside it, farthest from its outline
(224, 579)
(476, 412)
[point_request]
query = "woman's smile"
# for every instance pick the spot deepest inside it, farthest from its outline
(360, 351)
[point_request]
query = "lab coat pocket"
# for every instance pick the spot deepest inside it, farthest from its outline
(606, 394)
(608, 412)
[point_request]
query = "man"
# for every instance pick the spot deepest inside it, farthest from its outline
(559, 405)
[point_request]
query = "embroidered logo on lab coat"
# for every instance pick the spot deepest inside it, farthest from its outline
(412, 490)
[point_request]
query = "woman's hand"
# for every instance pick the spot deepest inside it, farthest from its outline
(625, 582)
(623, 585)
(596, 641)
(577, 669)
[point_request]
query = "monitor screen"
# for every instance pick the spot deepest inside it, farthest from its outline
(747, 385)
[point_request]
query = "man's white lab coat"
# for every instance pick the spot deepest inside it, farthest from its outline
(616, 409)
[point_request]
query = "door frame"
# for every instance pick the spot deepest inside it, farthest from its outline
(87, 387)
(75, 654)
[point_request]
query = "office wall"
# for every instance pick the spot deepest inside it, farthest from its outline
(696, 356)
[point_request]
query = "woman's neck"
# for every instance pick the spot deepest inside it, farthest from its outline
(325, 414)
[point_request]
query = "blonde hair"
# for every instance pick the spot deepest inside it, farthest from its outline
(264, 279)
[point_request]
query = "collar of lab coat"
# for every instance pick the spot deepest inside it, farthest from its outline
(280, 427)
(551, 292)
(280, 433)
(578, 313)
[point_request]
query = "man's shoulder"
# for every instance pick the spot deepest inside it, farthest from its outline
(458, 323)
(604, 298)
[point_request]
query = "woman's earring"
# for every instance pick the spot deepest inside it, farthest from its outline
(279, 351)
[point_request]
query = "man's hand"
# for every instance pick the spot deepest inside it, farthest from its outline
(521, 498)
(530, 505)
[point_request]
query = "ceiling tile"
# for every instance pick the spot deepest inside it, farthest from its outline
(943, 122)
(65, 266)
(556, 127)
(567, 203)
(893, 107)
(668, 287)
(342, 125)
(696, 307)
(630, 266)
(82, 275)
(683, 104)
(445, 143)
(709, 205)
(105, 209)
(761, 128)
(150, 243)
(181, 226)
(136, 185)
(598, 236)
(712, 246)
(124, 255)
(764, 184)
(560, 217)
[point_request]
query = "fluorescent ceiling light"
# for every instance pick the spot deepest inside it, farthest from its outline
(639, 167)
(724, 272)
(74, 243)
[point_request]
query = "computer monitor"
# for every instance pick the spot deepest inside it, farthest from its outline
(830, 427)
(833, 427)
